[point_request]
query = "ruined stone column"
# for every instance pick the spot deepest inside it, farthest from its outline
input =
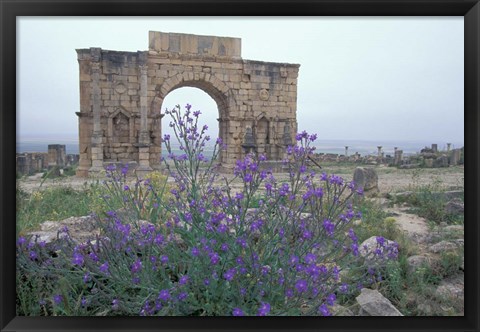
(455, 158)
(449, 146)
(144, 135)
(97, 135)
(398, 157)
(435, 148)
(346, 151)
(56, 155)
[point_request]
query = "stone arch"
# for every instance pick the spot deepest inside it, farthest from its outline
(247, 92)
(209, 84)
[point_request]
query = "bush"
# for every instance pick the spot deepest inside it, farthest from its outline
(202, 250)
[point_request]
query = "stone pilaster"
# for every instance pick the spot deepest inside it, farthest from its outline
(144, 135)
(97, 135)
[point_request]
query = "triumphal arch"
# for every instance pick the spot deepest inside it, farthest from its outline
(121, 95)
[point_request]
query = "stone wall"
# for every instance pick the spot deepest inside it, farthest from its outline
(121, 96)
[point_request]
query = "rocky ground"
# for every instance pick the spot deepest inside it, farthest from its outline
(389, 179)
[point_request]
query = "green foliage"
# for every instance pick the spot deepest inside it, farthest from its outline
(54, 203)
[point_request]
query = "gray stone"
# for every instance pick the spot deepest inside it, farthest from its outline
(442, 246)
(451, 288)
(428, 162)
(454, 229)
(417, 261)
(455, 207)
(338, 310)
(367, 251)
(80, 229)
(366, 178)
(373, 303)
(441, 161)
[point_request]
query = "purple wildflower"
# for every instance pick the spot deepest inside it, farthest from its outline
(229, 274)
(164, 259)
(237, 312)
(331, 299)
(264, 309)
(183, 280)
(329, 227)
(380, 240)
(21, 240)
(136, 266)
(104, 268)
(301, 285)
(33, 255)
(323, 310)
(195, 252)
(164, 295)
(57, 299)
(77, 259)
(310, 258)
(214, 258)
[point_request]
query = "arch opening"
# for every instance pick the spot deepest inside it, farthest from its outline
(200, 101)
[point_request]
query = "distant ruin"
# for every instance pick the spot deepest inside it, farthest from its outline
(426, 158)
(121, 96)
(29, 163)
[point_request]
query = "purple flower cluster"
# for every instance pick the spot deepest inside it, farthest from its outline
(213, 249)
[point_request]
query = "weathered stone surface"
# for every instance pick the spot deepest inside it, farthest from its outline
(134, 84)
(80, 229)
(367, 179)
(442, 246)
(373, 303)
(455, 207)
(338, 310)
(441, 161)
(416, 262)
(451, 288)
(368, 250)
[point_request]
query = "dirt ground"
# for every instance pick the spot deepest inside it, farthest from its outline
(389, 179)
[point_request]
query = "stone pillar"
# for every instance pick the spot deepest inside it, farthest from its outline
(144, 135)
(398, 157)
(346, 151)
(56, 155)
(97, 135)
(455, 158)
(379, 156)
(449, 146)
(435, 148)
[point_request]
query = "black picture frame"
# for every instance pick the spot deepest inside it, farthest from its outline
(10, 9)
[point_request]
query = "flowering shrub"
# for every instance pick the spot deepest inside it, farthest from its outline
(204, 250)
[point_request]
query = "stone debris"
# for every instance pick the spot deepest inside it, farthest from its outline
(368, 251)
(373, 303)
(366, 178)
(443, 246)
(451, 288)
(417, 261)
(80, 229)
(455, 207)
(338, 310)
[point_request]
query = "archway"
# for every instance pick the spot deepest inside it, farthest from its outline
(122, 96)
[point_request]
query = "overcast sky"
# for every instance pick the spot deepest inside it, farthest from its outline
(364, 78)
